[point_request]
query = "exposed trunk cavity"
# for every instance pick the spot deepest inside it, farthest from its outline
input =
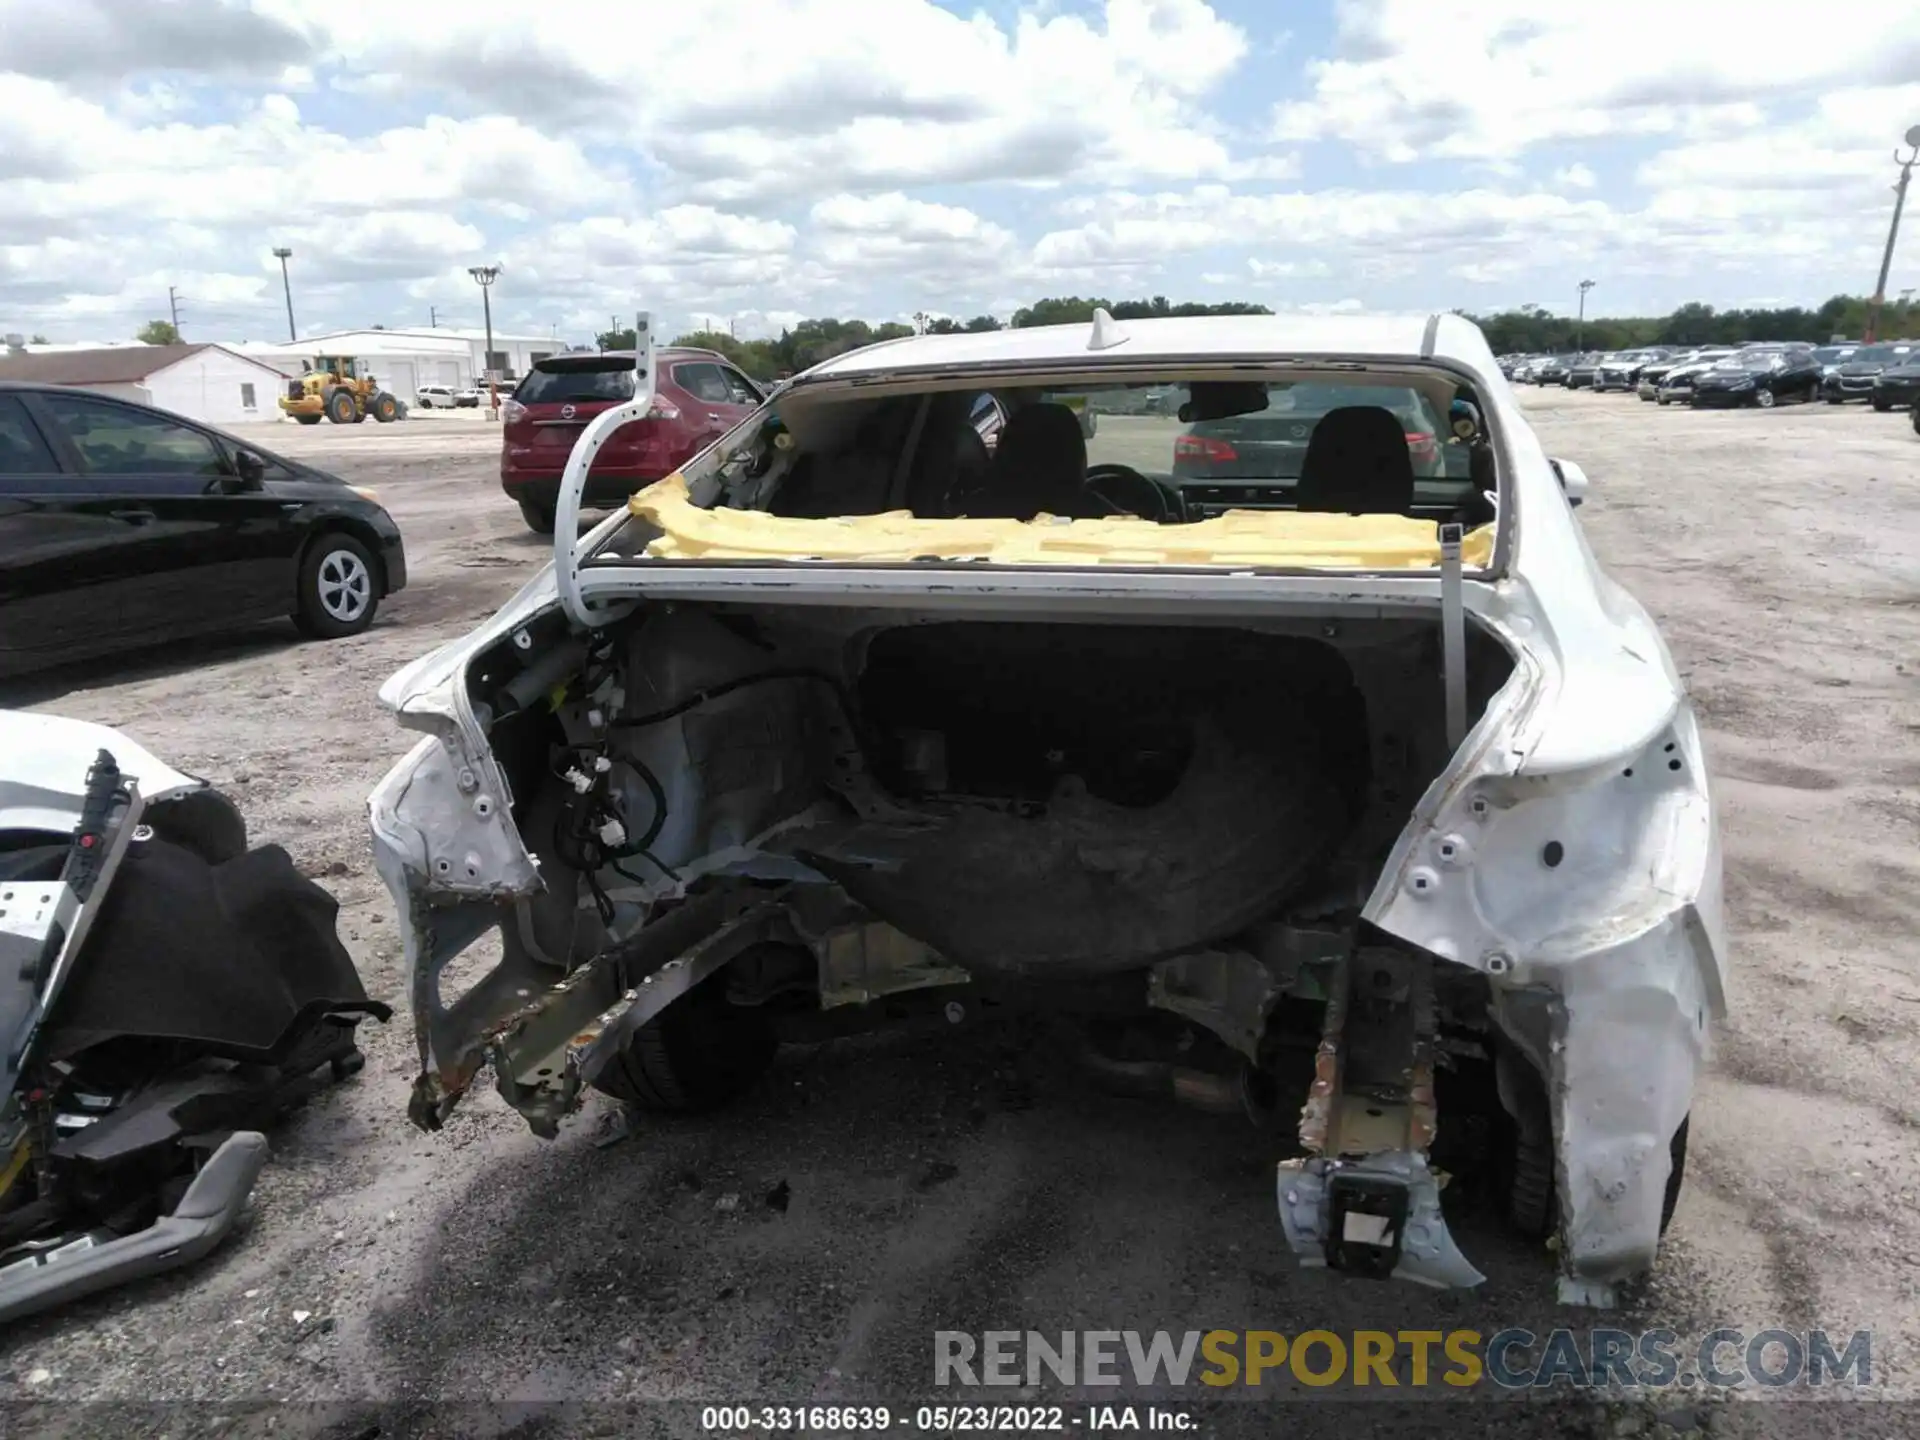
(1022, 797)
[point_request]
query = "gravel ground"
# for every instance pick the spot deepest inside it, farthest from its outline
(972, 1181)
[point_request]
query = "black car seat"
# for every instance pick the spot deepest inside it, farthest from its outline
(950, 467)
(1039, 465)
(1357, 463)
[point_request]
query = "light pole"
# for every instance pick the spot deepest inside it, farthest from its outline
(1580, 325)
(1893, 231)
(282, 254)
(486, 275)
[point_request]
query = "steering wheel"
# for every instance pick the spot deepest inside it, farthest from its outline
(1135, 481)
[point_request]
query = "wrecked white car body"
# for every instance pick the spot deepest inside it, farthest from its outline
(1375, 783)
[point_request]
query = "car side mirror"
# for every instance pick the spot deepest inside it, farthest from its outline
(1573, 480)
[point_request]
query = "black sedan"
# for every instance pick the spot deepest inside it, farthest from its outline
(1854, 379)
(1758, 377)
(1898, 386)
(122, 526)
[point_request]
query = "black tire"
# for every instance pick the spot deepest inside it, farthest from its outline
(308, 419)
(385, 408)
(339, 587)
(697, 1055)
(539, 517)
(340, 407)
(1916, 417)
(1530, 1207)
(1677, 1154)
(1880, 407)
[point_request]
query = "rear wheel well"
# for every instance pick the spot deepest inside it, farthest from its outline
(359, 530)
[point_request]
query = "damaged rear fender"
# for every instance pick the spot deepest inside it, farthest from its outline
(1591, 900)
(449, 853)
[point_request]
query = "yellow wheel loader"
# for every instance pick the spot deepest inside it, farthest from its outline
(337, 388)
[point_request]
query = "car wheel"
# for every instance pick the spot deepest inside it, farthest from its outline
(337, 591)
(1763, 398)
(696, 1055)
(340, 407)
(1664, 400)
(308, 419)
(539, 517)
(386, 409)
(1880, 406)
(1916, 417)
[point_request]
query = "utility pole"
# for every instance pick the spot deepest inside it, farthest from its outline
(173, 309)
(1580, 326)
(281, 253)
(1893, 232)
(486, 275)
(433, 317)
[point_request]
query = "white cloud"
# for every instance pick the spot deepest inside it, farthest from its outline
(1493, 78)
(757, 160)
(804, 97)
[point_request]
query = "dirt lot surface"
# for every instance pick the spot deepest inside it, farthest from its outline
(975, 1181)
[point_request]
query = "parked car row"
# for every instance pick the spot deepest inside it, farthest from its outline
(1762, 374)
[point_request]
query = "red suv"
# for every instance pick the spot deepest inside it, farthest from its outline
(698, 397)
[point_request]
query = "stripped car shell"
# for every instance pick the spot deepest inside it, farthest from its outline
(1542, 904)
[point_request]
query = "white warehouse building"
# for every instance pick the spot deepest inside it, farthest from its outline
(209, 383)
(404, 360)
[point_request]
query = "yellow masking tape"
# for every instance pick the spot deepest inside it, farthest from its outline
(1287, 538)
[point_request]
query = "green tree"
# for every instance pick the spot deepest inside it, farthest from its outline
(1072, 310)
(39, 340)
(158, 332)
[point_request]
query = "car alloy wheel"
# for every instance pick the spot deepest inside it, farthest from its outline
(338, 593)
(1763, 398)
(345, 587)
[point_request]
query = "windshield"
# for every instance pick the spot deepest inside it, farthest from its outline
(1880, 354)
(1833, 354)
(572, 383)
(1761, 361)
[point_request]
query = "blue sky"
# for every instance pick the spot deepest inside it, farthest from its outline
(755, 161)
